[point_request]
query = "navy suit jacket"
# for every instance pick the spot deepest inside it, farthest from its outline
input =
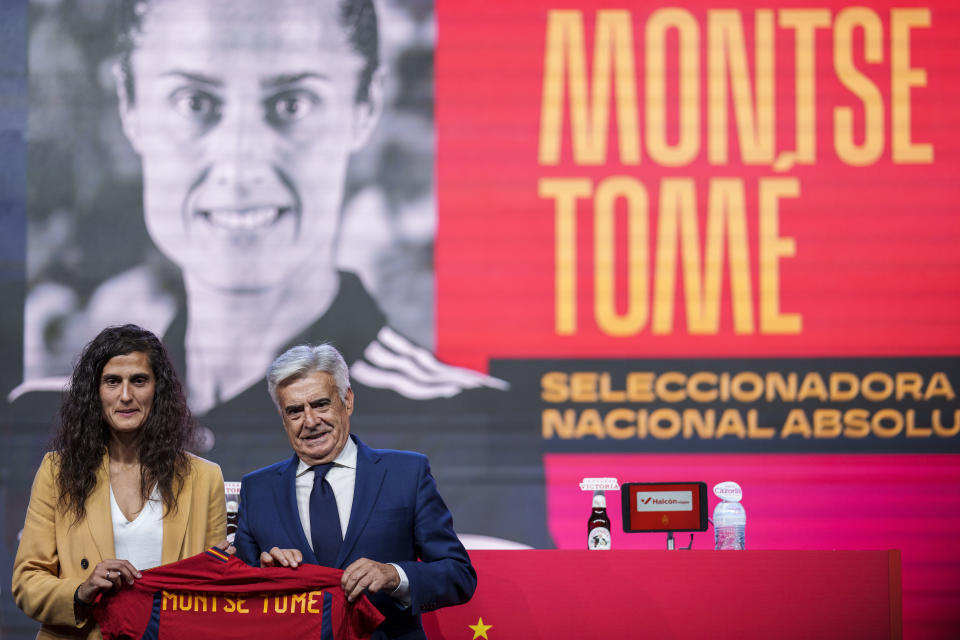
(397, 516)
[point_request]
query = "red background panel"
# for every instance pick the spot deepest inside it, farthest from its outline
(875, 270)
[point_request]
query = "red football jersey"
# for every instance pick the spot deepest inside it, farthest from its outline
(212, 595)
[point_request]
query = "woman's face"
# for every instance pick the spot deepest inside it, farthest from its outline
(127, 385)
(245, 117)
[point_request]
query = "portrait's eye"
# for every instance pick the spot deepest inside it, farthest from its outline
(289, 106)
(196, 105)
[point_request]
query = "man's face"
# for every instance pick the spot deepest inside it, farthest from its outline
(244, 115)
(316, 420)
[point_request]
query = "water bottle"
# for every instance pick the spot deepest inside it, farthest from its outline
(729, 518)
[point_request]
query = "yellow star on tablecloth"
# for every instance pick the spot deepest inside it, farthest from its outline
(480, 629)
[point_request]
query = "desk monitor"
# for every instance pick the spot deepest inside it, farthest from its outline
(664, 506)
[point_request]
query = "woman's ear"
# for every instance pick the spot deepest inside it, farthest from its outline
(129, 118)
(366, 113)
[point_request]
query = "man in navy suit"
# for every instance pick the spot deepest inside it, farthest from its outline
(375, 513)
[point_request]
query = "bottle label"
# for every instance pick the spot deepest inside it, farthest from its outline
(728, 491)
(599, 538)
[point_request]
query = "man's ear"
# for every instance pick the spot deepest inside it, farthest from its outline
(366, 113)
(129, 117)
(348, 401)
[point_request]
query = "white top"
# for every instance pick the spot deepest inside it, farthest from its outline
(139, 541)
(342, 478)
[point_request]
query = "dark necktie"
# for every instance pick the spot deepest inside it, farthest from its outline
(324, 518)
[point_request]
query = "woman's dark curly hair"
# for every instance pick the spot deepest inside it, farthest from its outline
(84, 434)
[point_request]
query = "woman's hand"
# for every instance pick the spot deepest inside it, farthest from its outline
(105, 576)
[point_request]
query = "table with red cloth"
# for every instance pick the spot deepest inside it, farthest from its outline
(677, 594)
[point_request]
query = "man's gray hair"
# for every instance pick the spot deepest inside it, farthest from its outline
(305, 359)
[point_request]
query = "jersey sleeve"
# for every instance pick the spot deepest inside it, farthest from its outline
(124, 614)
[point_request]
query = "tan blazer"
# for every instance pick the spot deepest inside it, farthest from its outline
(55, 555)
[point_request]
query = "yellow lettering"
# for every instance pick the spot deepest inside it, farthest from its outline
(553, 387)
(773, 247)
(640, 386)
(844, 386)
(856, 423)
(702, 386)
(298, 599)
(565, 192)
(607, 394)
(826, 423)
(688, 67)
(614, 430)
(939, 387)
(612, 58)
(754, 430)
(634, 194)
(664, 424)
(880, 429)
(867, 387)
(812, 387)
(731, 423)
(311, 602)
(942, 431)
(726, 55)
(860, 85)
(902, 78)
(913, 431)
(590, 424)
(670, 387)
(701, 423)
(805, 22)
(777, 387)
(555, 423)
(796, 423)
(583, 386)
(753, 383)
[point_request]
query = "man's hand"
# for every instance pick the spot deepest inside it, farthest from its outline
(225, 546)
(281, 557)
(367, 574)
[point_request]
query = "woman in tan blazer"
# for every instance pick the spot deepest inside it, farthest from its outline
(119, 460)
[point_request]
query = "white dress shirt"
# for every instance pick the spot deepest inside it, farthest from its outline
(342, 478)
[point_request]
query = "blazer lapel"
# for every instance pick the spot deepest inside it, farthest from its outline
(287, 511)
(369, 479)
(99, 519)
(175, 523)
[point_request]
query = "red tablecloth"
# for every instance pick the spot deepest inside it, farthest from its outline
(678, 594)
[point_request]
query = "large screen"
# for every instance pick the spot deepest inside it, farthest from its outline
(554, 239)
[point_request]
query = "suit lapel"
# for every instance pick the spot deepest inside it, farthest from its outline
(175, 523)
(369, 479)
(99, 519)
(287, 511)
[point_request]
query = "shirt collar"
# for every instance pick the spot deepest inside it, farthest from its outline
(347, 458)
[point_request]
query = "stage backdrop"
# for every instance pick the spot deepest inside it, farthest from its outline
(658, 241)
